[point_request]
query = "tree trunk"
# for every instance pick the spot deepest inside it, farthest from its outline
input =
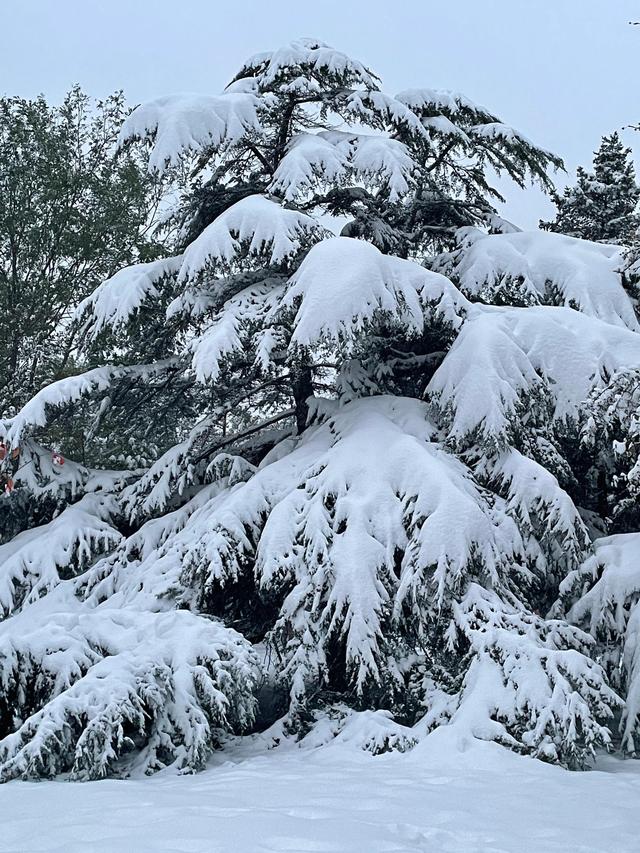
(13, 356)
(302, 388)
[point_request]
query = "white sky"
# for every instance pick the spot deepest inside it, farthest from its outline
(564, 72)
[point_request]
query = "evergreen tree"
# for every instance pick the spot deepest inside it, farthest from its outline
(371, 468)
(603, 205)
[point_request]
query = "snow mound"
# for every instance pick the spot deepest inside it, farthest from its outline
(370, 731)
(435, 798)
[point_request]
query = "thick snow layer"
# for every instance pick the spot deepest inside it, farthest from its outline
(181, 123)
(119, 297)
(503, 356)
(263, 226)
(616, 562)
(330, 155)
(496, 130)
(434, 799)
(351, 525)
(310, 158)
(441, 100)
(375, 158)
(274, 67)
(524, 663)
(543, 268)
(340, 287)
(254, 226)
(43, 478)
(343, 282)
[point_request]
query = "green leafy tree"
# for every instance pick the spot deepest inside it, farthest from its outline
(72, 210)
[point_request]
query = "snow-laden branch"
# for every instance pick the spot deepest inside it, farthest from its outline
(174, 681)
(301, 63)
(335, 156)
(542, 268)
(343, 283)
(71, 390)
(605, 596)
(255, 224)
(542, 360)
(181, 123)
(531, 684)
(117, 299)
(31, 564)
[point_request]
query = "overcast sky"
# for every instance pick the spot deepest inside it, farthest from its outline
(564, 72)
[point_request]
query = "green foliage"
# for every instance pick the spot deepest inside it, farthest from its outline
(72, 211)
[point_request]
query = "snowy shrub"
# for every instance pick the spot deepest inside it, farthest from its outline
(92, 692)
(372, 731)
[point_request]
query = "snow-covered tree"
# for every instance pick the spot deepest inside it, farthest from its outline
(365, 459)
(603, 205)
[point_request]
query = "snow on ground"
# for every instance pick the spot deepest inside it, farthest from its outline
(434, 799)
